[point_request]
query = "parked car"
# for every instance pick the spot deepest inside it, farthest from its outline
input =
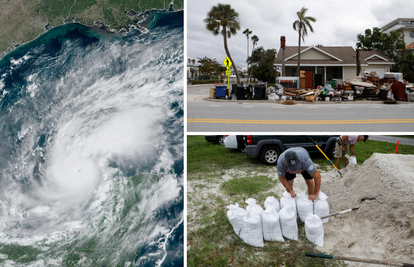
(218, 139)
(269, 147)
(235, 142)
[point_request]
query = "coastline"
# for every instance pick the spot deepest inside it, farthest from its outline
(142, 25)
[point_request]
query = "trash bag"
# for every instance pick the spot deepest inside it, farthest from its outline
(321, 207)
(352, 160)
(235, 214)
(273, 97)
(253, 207)
(271, 225)
(272, 202)
(252, 233)
(287, 199)
(304, 205)
(271, 90)
(288, 223)
(314, 229)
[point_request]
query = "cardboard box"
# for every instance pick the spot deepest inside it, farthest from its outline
(213, 93)
(410, 97)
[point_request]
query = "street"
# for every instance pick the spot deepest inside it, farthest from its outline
(264, 116)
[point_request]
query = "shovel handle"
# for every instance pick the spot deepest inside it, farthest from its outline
(323, 153)
(319, 255)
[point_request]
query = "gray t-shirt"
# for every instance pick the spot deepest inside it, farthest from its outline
(305, 161)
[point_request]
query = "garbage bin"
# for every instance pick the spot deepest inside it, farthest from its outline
(221, 91)
(398, 89)
(383, 94)
(260, 92)
(240, 93)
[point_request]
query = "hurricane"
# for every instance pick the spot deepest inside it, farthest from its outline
(91, 148)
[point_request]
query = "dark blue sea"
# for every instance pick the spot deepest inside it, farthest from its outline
(91, 148)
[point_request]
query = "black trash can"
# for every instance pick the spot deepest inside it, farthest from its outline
(383, 94)
(240, 93)
(260, 92)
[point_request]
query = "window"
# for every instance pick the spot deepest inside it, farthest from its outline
(412, 34)
(405, 23)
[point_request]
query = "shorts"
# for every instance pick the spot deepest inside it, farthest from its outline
(305, 174)
(338, 149)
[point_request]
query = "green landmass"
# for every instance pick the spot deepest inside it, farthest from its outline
(23, 20)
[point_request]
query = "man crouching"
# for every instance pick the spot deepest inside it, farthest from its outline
(297, 160)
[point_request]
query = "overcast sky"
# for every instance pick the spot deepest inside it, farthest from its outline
(338, 23)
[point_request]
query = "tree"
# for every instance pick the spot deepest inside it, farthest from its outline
(301, 26)
(263, 64)
(388, 44)
(406, 66)
(255, 40)
(247, 32)
(189, 61)
(222, 19)
(194, 61)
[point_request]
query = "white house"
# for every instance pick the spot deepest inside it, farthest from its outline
(406, 27)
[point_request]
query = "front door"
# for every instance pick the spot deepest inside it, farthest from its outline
(309, 79)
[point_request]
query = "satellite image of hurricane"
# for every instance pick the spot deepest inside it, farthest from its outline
(91, 148)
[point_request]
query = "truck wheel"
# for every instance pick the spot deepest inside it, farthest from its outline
(269, 155)
(220, 140)
(330, 151)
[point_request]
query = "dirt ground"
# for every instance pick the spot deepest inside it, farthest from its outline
(382, 188)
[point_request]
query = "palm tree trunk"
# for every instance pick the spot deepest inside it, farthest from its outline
(248, 74)
(228, 54)
(298, 70)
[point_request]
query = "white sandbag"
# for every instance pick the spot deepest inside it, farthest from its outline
(253, 207)
(235, 214)
(272, 202)
(288, 223)
(352, 160)
(304, 205)
(287, 199)
(271, 225)
(252, 233)
(314, 229)
(321, 206)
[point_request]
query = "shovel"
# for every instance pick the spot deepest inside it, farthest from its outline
(341, 212)
(325, 156)
(325, 256)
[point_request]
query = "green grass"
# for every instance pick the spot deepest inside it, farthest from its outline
(248, 185)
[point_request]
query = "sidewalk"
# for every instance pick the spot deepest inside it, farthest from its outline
(392, 139)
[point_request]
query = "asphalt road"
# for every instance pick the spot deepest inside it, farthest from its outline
(205, 115)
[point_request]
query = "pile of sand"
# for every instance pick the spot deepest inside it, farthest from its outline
(383, 227)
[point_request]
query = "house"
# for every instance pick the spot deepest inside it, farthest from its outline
(193, 72)
(406, 27)
(324, 63)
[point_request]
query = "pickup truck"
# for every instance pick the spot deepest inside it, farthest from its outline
(269, 147)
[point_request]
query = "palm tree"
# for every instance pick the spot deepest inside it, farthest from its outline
(225, 18)
(301, 26)
(247, 32)
(189, 61)
(194, 61)
(255, 40)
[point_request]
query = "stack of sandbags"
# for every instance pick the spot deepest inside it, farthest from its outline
(235, 214)
(271, 225)
(314, 229)
(253, 207)
(321, 206)
(304, 205)
(287, 217)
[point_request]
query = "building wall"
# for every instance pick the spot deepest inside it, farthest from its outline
(349, 73)
(313, 54)
(407, 38)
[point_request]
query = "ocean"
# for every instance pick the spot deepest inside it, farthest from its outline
(91, 148)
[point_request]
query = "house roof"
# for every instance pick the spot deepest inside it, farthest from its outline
(330, 55)
(410, 46)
